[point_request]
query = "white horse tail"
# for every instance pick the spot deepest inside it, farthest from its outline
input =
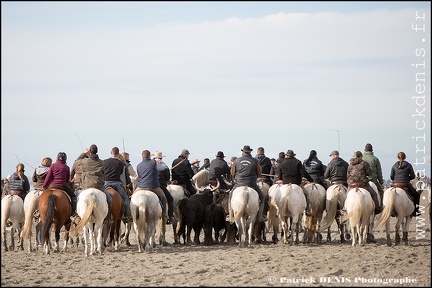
(28, 213)
(388, 207)
(240, 212)
(141, 211)
(357, 209)
(6, 204)
(331, 209)
(91, 205)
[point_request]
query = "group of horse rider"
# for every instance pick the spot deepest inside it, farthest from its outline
(88, 171)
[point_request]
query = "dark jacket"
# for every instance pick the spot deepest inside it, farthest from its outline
(15, 183)
(336, 170)
(291, 171)
(147, 174)
(219, 167)
(314, 168)
(183, 172)
(403, 174)
(246, 171)
(58, 175)
(113, 169)
(163, 174)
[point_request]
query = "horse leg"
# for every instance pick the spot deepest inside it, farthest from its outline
(328, 235)
(397, 228)
(99, 237)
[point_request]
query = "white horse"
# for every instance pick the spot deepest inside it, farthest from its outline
(317, 204)
(335, 200)
(31, 204)
(92, 207)
(12, 209)
(146, 214)
(245, 206)
(288, 202)
(360, 211)
(396, 204)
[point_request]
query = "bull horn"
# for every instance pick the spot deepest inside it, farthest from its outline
(217, 186)
(226, 181)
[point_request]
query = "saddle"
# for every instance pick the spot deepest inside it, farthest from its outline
(61, 189)
(399, 185)
(357, 185)
(403, 187)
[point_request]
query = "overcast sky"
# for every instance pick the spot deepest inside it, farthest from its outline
(210, 76)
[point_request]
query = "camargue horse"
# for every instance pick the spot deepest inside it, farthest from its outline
(335, 201)
(146, 213)
(286, 201)
(317, 203)
(397, 204)
(55, 209)
(360, 211)
(31, 204)
(92, 207)
(12, 209)
(245, 206)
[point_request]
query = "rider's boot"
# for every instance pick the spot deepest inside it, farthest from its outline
(75, 217)
(261, 216)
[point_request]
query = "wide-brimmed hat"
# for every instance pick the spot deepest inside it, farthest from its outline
(290, 153)
(220, 154)
(195, 161)
(157, 154)
(247, 149)
(334, 152)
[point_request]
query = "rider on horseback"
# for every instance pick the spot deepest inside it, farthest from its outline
(403, 172)
(113, 169)
(39, 176)
(93, 173)
(291, 171)
(245, 171)
(58, 178)
(18, 182)
(358, 174)
(148, 180)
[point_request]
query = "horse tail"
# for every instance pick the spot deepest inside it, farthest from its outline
(49, 217)
(5, 212)
(356, 213)
(388, 207)
(91, 205)
(240, 212)
(141, 210)
(331, 210)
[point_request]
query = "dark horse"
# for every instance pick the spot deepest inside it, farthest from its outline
(55, 208)
(117, 211)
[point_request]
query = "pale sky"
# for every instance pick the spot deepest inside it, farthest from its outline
(215, 76)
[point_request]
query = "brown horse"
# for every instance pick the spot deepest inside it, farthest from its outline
(117, 211)
(55, 209)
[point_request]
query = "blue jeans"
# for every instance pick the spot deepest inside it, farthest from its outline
(118, 186)
(109, 198)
